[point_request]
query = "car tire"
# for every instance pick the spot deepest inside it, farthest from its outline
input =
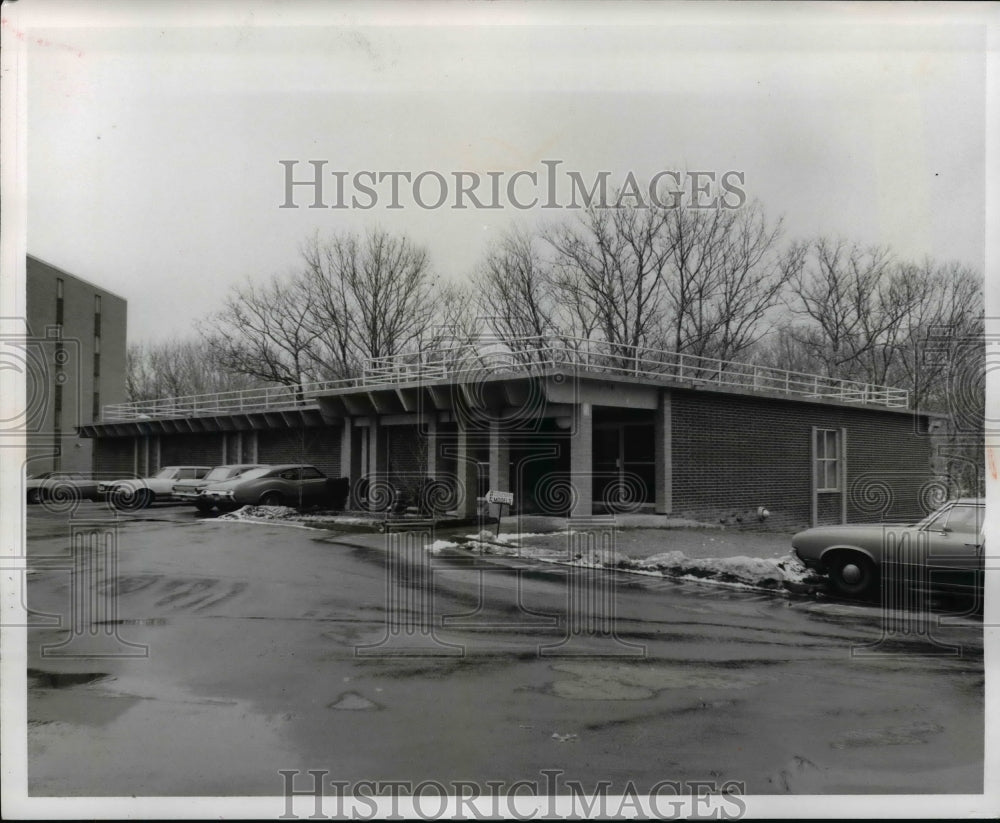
(271, 499)
(853, 575)
(34, 497)
(203, 507)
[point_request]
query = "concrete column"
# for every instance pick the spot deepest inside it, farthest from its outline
(581, 460)
(499, 463)
(663, 455)
(433, 442)
(350, 451)
(466, 473)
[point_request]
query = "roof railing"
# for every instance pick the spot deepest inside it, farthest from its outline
(472, 361)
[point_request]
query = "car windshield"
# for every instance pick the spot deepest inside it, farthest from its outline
(250, 475)
(167, 472)
(956, 516)
(219, 473)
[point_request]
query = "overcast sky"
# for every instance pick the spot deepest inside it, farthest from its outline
(154, 141)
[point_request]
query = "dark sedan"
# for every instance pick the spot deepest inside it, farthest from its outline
(285, 485)
(944, 551)
(188, 491)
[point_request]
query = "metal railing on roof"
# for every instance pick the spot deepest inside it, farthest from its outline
(526, 355)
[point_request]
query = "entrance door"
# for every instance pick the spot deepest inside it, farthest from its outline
(624, 465)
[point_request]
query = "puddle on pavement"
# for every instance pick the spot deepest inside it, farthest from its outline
(62, 680)
(353, 702)
(911, 734)
(601, 681)
(144, 621)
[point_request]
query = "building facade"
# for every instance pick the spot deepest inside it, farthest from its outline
(573, 429)
(76, 364)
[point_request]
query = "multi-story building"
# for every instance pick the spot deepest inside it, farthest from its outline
(75, 357)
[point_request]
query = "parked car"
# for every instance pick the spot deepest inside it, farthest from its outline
(140, 492)
(944, 551)
(186, 491)
(60, 486)
(284, 485)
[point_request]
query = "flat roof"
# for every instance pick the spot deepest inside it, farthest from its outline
(76, 277)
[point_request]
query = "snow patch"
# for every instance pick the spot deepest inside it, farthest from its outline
(259, 513)
(759, 572)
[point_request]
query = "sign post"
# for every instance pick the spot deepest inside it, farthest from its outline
(501, 499)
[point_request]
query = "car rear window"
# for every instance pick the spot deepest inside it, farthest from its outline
(253, 473)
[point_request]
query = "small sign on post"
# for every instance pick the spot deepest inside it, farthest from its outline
(501, 499)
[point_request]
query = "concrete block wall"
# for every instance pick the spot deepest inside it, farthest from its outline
(204, 449)
(319, 447)
(114, 457)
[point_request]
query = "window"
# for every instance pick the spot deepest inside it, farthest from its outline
(965, 519)
(827, 460)
(57, 401)
(311, 473)
(97, 315)
(59, 301)
(96, 409)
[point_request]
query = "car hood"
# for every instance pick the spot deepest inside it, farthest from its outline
(851, 531)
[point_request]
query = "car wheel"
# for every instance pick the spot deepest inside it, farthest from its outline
(34, 497)
(853, 575)
(204, 507)
(270, 499)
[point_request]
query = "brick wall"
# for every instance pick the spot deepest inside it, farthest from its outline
(734, 453)
(114, 457)
(319, 447)
(191, 449)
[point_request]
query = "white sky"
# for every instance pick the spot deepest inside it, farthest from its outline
(154, 139)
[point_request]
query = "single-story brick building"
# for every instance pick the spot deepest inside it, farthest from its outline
(576, 427)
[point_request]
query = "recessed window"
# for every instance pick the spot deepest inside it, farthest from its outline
(827, 460)
(96, 409)
(59, 301)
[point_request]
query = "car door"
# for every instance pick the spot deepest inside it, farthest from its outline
(314, 486)
(954, 547)
(290, 481)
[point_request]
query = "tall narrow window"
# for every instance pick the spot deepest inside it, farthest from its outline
(827, 460)
(95, 412)
(97, 315)
(97, 357)
(59, 301)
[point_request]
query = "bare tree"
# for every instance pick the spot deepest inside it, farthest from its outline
(369, 297)
(724, 276)
(177, 367)
(846, 304)
(266, 332)
(608, 270)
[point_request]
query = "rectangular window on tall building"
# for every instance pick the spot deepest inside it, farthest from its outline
(97, 357)
(97, 315)
(96, 410)
(59, 301)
